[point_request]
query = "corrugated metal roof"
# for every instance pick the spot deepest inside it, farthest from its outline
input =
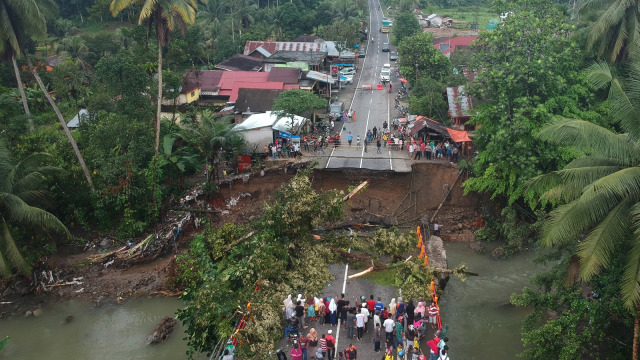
(318, 76)
(273, 46)
(459, 102)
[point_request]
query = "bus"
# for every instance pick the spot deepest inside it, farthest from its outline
(385, 25)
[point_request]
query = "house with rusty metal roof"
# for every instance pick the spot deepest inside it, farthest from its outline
(460, 107)
(240, 62)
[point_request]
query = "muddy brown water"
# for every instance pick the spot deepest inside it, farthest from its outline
(109, 332)
(482, 324)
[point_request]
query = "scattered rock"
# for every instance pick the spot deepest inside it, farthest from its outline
(478, 247)
(37, 312)
(68, 319)
(497, 253)
(374, 205)
(7, 292)
(28, 313)
(106, 242)
(162, 331)
(460, 226)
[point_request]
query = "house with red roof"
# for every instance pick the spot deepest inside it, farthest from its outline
(455, 43)
(218, 88)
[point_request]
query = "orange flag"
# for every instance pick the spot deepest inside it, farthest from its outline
(418, 230)
(422, 252)
(426, 261)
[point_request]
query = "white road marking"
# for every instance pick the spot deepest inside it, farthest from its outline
(390, 162)
(365, 136)
(334, 149)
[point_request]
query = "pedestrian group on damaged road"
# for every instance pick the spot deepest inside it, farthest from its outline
(398, 327)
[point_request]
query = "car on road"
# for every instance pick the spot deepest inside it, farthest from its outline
(385, 47)
(346, 79)
(385, 75)
(393, 56)
(362, 53)
(336, 108)
(347, 71)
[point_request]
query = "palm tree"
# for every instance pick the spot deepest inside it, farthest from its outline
(616, 33)
(600, 190)
(345, 10)
(166, 15)
(20, 193)
(20, 18)
(243, 10)
(211, 138)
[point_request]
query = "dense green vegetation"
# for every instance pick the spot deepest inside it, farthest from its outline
(557, 150)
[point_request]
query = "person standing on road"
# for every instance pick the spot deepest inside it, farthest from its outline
(304, 344)
(399, 330)
(365, 312)
(379, 146)
(375, 132)
(360, 322)
(333, 313)
(384, 139)
(389, 324)
(296, 353)
(376, 338)
(411, 152)
(351, 352)
(354, 116)
(433, 313)
(358, 142)
(331, 345)
(349, 138)
(351, 323)
(323, 346)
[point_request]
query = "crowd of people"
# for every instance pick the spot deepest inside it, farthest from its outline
(396, 328)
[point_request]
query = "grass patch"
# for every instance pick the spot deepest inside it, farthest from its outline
(472, 14)
(385, 277)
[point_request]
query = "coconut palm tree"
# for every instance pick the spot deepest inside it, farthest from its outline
(616, 33)
(600, 190)
(166, 15)
(21, 18)
(20, 194)
(213, 137)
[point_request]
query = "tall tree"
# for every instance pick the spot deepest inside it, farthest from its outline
(527, 73)
(616, 33)
(18, 17)
(405, 25)
(20, 195)
(166, 15)
(418, 58)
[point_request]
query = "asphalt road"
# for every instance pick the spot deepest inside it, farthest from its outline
(372, 108)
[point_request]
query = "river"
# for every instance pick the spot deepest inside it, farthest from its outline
(482, 323)
(113, 332)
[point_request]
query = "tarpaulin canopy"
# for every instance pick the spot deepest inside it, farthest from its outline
(404, 80)
(458, 136)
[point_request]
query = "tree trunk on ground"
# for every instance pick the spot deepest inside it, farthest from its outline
(23, 96)
(85, 170)
(636, 325)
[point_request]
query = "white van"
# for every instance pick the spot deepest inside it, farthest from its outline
(385, 75)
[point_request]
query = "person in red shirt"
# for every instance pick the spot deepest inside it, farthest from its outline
(331, 345)
(351, 352)
(304, 344)
(371, 305)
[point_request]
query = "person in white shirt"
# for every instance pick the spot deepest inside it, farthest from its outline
(389, 324)
(360, 322)
(376, 319)
(365, 312)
